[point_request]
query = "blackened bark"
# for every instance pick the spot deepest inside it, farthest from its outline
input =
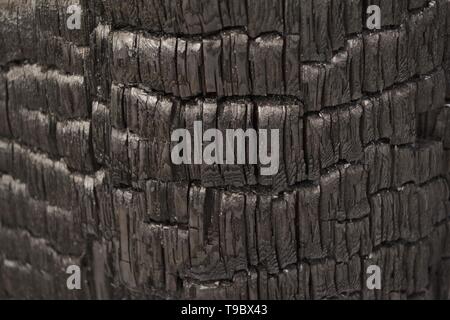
(86, 178)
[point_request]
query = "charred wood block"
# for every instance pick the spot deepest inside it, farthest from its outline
(26, 88)
(337, 81)
(404, 166)
(235, 65)
(100, 77)
(266, 241)
(284, 215)
(71, 95)
(74, 144)
(353, 191)
(314, 26)
(388, 46)
(288, 120)
(168, 64)
(120, 165)
(292, 65)
(312, 85)
(62, 232)
(101, 132)
(128, 211)
(372, 69)
(6, 156)
(17, 20)
(320, 151)
(149, 61)
(266, 67)
(5, 130)
(231, 227)
(308, 217)
(235, 116)
(13, 205)
(442, 127)
(35, 129)
(212, 68)
(352, 17)
(266, 16)
(402, 101)
(124, 55)
(66, 56)
(354, 47)
(379, 166)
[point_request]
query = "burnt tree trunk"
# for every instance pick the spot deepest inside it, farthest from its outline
(86, 178)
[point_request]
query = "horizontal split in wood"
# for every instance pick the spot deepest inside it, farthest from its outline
(232, 64)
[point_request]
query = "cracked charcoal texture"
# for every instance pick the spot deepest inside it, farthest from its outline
(86, 178)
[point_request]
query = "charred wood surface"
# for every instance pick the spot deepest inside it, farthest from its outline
(86, 176)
